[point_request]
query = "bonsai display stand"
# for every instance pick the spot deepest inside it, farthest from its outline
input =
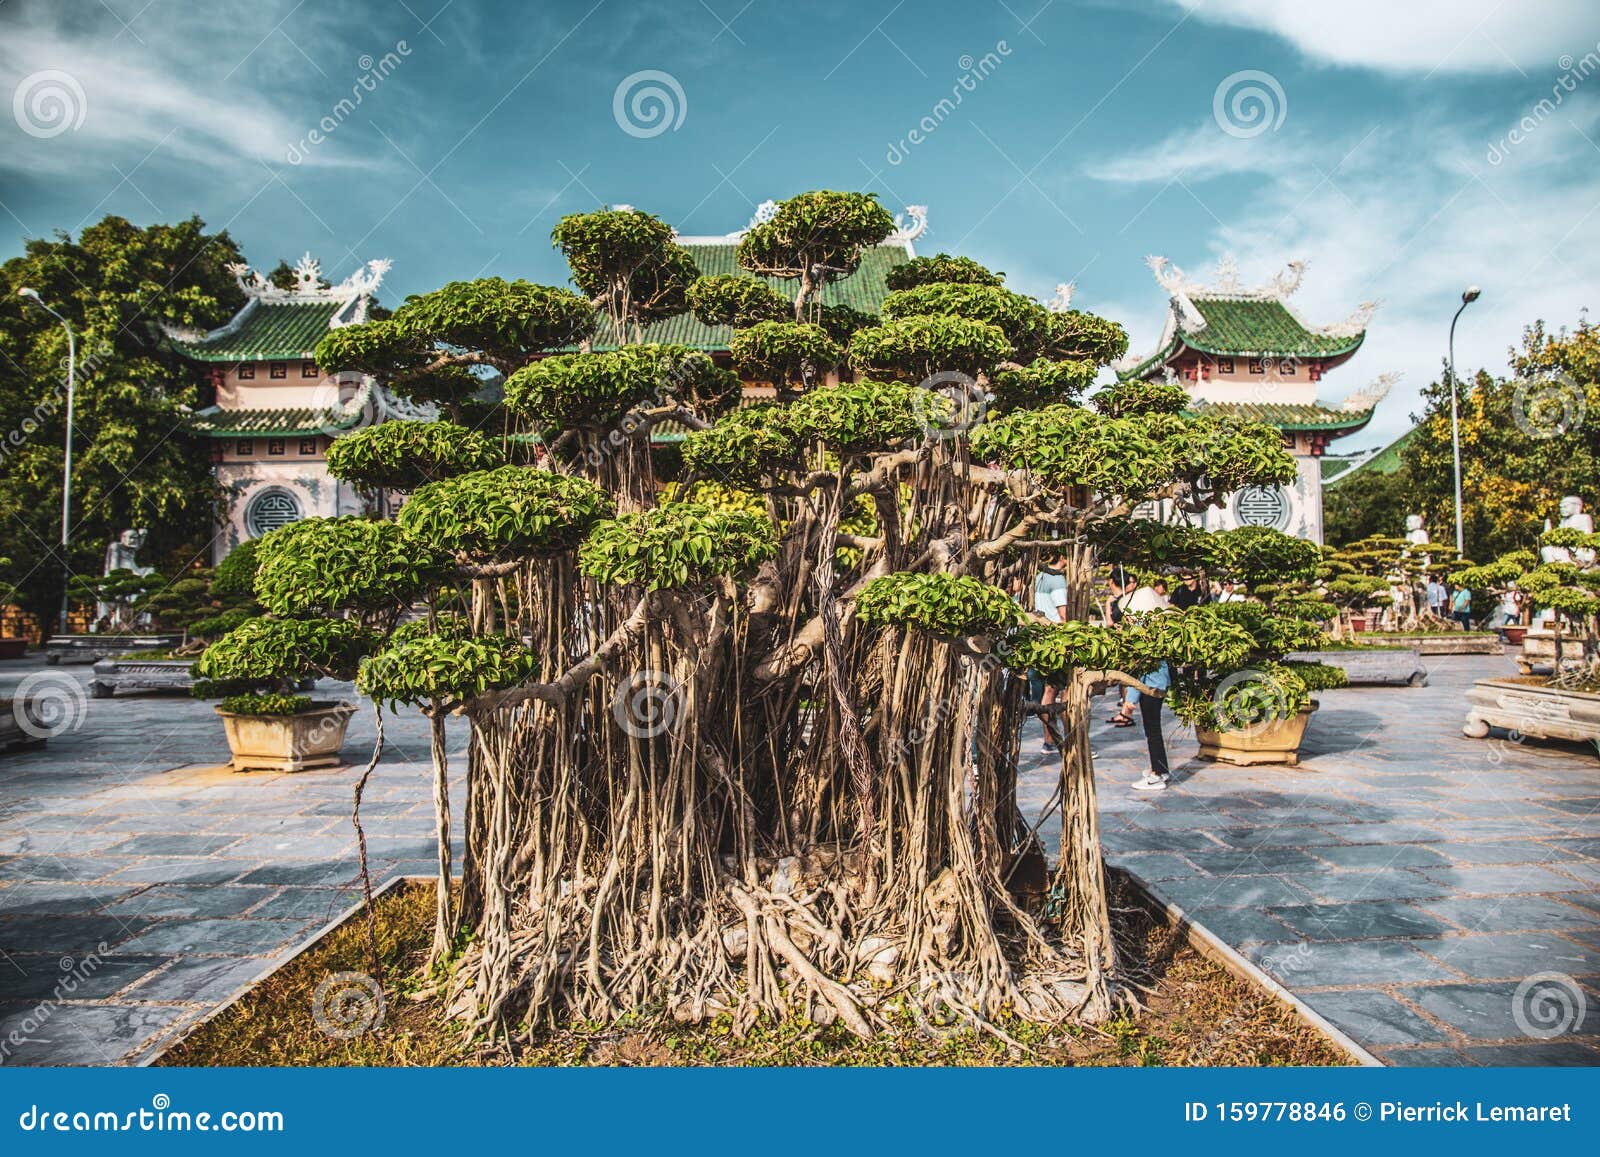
(93, 648)
(1399, 666)
(113, 675)
(1532, 710)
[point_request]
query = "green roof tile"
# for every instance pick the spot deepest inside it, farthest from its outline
(1286, 416)
(1384, 461)
(1260, 327)
(216, 422)
(864, 289)
(270, 331)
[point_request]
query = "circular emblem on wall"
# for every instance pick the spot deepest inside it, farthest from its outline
(1262, 506)
(269, 510)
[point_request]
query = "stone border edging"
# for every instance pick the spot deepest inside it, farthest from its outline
(304, 946)
(1215, 949)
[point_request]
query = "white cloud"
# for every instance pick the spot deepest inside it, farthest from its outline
(180, 85)
(1463, 36)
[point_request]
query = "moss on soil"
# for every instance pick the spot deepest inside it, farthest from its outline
(1197, 1014)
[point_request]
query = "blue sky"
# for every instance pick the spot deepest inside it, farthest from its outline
(1093, 138)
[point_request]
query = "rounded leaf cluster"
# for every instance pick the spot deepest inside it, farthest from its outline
(499, 514)
(863, 416)
(383, 348)
(1076, 334)
(405, 455)
(940, 267)
(595, 390)
(735, 300)
(913, 349)
(678, 545)
(950, 606)
(236, 573)
(1040, 383)
(447, 666)
(264, 652)
(1025, 323)
(816, 230)
(1138, 397)
(785, 353)
(329, 565)
(627, 257)
(509, 320)
(744, 447)
(1067, 446)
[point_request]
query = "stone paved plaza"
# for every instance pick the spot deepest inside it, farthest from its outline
(1403, 880)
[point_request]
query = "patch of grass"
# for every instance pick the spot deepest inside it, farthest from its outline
(1197, 1014)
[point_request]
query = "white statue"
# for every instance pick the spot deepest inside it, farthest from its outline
(122, 553)
(1414, 532)
(1573, 517)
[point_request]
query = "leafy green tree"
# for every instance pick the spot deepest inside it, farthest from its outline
(134, 463)
(731, 748)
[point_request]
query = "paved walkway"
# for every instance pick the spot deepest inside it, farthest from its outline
(197, 882)
(1403, 880)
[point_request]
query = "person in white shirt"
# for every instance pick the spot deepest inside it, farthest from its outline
(1050, 602)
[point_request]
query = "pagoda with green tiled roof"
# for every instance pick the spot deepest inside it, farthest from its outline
(275, 412)
(1248, 353)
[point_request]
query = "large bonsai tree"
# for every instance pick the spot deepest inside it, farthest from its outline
(753, 749)
(1566, 584)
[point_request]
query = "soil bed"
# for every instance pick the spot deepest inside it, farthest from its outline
(1197, 1014)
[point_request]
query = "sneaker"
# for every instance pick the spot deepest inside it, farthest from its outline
(1151, 783)
(1049, 747)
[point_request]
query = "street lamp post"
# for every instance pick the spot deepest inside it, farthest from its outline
(1467, 298)
(66, 474)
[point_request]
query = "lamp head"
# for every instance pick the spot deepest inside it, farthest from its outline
(26, 291)
(1471, 295)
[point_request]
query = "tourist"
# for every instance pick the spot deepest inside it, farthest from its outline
(1050, 603)
(1136, 601)
(1461, 607)
(1190, 592)
(1228, 592)
(1436, 597)
(1159, 681)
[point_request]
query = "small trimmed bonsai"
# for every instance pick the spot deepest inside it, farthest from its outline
(1564, 580)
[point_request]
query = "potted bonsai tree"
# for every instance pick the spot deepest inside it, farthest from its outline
(1565, 704)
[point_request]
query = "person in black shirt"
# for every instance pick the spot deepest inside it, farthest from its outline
(1190, 593)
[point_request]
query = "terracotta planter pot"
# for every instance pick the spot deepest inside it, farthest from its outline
(1514, 635)
(287, 742)
(1275, 742)
(1358, 622)
(1532, 710)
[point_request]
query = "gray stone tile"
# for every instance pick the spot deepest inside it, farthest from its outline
(1236, 926)
(1511, 914)
(1569, 1053)
(182, 870)
(1155, 865)
(204, 937)
(1230, 892)
(1504, 879)
(82, 1034)
(1141, 841)
(190, 900)
(1364, 857)
(81, 869)
(1375, 1018)
(1395, 833)
(1362, 919)
(29, 978)
(1504, 852)
(1309, 964)
(1254, 861)
(1282, 837)
(315, 904)
(1489, 1012)
(310, 875)
(1514, 955)
(1386, 884)
(1429, 1058)
(202, 979)
(56, 896)
(73, 935)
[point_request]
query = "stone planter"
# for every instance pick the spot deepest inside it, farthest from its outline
(13, 648)
(287, 742)
(1386, 666)
(93, 648)
(1531, 710)
(1539, 649)
(1275, 742)
(113, 675)
(1441, 642)
(13, 735)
